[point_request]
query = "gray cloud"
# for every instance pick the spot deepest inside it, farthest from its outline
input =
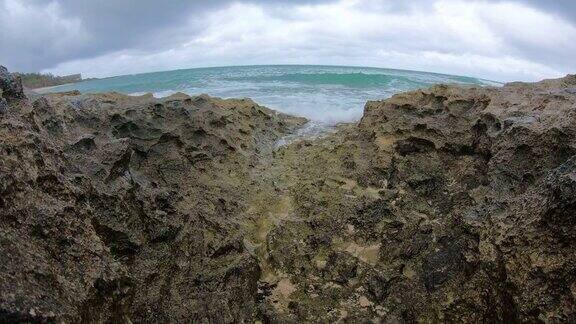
(106, 26)
(563, 8)
(43, 35)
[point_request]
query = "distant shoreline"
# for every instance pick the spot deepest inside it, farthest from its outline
(44, 90)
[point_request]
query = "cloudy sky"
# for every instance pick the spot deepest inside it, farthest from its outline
(500, 40)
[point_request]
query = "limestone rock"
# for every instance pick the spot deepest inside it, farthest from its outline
(10, 85)
(448, 204)
(117, 208)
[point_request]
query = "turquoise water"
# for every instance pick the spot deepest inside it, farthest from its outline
(324, 94)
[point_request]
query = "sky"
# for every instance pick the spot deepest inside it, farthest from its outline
(501, 40)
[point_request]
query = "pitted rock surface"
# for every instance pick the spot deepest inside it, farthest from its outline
(449, 204)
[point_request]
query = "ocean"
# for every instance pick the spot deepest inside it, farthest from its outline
(324, 94)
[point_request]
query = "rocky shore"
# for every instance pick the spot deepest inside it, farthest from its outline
(448, 204)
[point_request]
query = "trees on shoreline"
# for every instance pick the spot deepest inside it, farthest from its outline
(40, 80)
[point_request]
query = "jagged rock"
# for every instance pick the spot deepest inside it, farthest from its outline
(3, 105)
(449, 204)
(460, 198)
(107, 214)
(10, 85)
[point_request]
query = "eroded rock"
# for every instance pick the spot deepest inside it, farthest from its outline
(108, 212)
(447, 204)
(10, 85)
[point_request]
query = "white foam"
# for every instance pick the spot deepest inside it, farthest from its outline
(162, 94)
(159, 94)
(310, 130)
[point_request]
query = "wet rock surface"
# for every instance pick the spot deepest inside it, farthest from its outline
(448, 204)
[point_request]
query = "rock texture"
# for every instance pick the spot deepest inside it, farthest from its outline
(448, 204)
(10, 85)
(120, 209)
(443, 205)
